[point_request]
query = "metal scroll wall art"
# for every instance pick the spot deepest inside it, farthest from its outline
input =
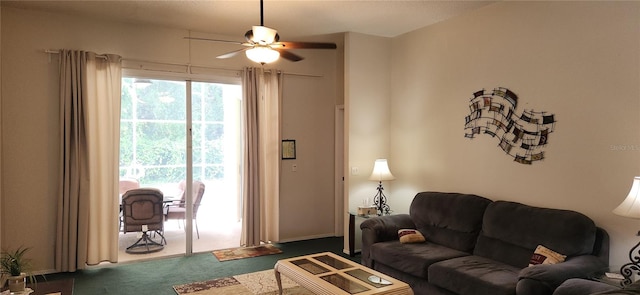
(523, 137)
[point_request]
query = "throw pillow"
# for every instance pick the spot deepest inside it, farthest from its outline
(410, 236)
(544, 255)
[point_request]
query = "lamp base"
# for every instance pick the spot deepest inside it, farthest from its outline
(380, 201)
(633, 266)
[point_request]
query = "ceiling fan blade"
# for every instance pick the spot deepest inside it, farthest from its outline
(288, 55)
(217, 40)
(307, 45)
(232, 53)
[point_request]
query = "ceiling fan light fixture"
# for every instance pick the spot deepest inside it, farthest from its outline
(262, 34)
(262, 54)
(263, 44)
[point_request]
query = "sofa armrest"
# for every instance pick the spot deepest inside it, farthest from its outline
(582, 287)
(380, 229)
(545, 278)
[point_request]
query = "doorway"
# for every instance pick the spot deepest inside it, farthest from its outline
(157, 150)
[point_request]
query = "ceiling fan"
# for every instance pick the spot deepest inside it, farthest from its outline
(263, 44)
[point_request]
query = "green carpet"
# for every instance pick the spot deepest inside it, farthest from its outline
(158, 276)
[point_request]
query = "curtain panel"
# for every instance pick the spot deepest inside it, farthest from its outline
(87, 227)
(261, 105)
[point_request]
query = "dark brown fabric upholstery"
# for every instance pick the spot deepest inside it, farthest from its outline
(590, 287)
(478, 247)
(511, 231)
(449, 219)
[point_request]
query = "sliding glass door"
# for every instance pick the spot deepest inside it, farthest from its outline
(183, 138)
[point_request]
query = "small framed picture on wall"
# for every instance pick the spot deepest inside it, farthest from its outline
(288, 149)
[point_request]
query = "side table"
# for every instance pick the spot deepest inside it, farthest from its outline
(352, 231)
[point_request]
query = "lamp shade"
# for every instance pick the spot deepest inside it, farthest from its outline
(262, 54)
(381, 171)
(630, 207)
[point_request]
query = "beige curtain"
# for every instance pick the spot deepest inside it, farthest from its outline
(87, 223)
(261, 159)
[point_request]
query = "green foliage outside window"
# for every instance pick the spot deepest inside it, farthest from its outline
(153, 131)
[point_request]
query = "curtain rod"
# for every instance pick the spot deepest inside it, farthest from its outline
(188, 66)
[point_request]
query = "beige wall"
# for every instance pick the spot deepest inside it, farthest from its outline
(367, 117)
(29, 113)
(367, 110)
(577, 60)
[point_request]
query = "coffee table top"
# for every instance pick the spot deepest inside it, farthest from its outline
(328, 273)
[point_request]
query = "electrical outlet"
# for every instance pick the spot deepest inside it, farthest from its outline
(355, 170)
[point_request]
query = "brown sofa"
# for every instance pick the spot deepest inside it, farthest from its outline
(591, 287)
(475, 246)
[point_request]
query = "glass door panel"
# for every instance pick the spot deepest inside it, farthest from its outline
(216, 152)
(153, 149)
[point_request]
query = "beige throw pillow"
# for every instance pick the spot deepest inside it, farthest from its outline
(410, 236)
(544, 255)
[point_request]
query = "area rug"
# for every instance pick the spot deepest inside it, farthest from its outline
(246, 252)
(255, 283)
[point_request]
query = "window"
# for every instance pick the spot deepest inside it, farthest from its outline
(152, 131)
(153, 124)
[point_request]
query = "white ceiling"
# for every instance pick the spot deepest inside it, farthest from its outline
(292, 18)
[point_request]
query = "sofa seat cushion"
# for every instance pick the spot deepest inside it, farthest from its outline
(413, 259)
(474, 275)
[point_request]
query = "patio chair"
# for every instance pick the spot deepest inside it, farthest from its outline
(128, 184)
(178, 210)
(142, 211)
(124, 185)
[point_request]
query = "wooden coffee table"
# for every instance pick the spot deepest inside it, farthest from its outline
(327, 273)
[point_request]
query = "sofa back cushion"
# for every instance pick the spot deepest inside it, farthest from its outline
(511, 232)
(449, 219)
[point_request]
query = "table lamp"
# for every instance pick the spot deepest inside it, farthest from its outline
(630, 207)
(381, 172)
